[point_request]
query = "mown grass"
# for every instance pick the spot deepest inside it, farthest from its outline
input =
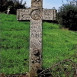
(58, 44)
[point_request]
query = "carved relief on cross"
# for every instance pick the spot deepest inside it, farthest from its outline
(36, 14)
(25, 14)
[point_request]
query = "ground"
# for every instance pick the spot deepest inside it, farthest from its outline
(58, 44)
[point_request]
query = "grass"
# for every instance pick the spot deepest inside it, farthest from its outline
(58, 44)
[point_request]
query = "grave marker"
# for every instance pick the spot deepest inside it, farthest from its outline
(8, 10)
(36, 14)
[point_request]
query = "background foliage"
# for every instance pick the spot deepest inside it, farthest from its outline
(12, 4)
(67, 16)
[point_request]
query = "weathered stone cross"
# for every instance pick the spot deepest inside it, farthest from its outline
(36, 14)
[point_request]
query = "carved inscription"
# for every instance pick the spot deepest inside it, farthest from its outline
(36, 3)
(25, 14)
(49, 14)
(35, 14)
(37, 35)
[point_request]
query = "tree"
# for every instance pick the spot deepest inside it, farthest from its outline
(12, 4)
(2, 5)
(67, 16)
(17, 5)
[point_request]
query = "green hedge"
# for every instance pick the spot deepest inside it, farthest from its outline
(67, 16)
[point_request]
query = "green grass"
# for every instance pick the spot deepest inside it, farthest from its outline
(58, 44)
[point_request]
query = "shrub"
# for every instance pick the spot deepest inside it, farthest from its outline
(67, 16)
(17, 5)
(3, 5)
(12, 4)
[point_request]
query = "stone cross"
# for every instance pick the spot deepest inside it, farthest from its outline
(36, 14)
(8, 10)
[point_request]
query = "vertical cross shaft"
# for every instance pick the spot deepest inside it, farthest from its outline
(35, 38)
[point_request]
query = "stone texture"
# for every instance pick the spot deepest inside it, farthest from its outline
(36, 14)
(35, 46)
(35, 38)
(23, 14)
(48, 14)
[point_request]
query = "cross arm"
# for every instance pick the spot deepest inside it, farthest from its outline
(23, 14)
(49, 14)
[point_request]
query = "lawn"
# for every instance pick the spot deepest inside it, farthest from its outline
(58, 44)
